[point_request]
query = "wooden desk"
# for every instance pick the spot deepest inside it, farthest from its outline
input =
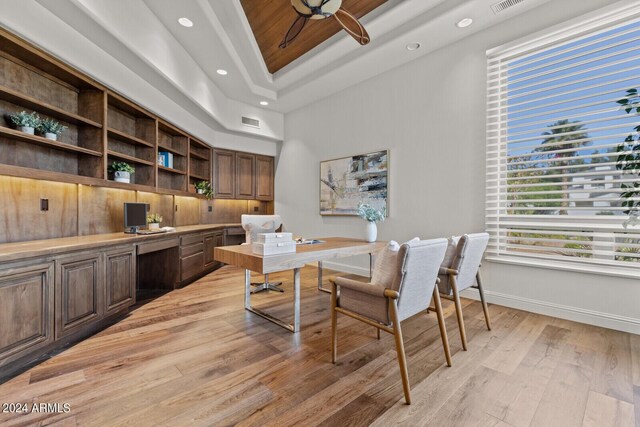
(334, 247)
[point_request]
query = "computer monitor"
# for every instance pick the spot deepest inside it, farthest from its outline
(135, 216)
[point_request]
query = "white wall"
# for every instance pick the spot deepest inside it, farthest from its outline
(431, 114)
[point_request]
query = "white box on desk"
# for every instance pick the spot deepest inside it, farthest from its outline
(273, 248)
(274, 237)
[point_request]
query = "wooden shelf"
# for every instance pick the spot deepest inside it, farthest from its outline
(198, 156)
(35, 139)
(121, 136)
(170, 150)
(171, 170)
(200, 177)
(129, 158)
(44, 108)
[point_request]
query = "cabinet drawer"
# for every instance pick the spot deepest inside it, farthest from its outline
(191, 239)
(191, 265)
(144, 248)
(186, 251)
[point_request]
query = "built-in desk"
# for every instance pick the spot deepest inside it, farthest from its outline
(56, 291)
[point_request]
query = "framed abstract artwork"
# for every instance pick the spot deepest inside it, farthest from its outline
(347, 181)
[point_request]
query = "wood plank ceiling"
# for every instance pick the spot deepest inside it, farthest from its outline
(270, 20)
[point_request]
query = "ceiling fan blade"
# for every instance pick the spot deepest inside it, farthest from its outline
(352, 26)
(293, 31)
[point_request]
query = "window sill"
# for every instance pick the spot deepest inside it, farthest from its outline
(629, 273)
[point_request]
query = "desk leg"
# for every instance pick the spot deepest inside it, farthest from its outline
(320, 288)
(247, 289)
(296, 300)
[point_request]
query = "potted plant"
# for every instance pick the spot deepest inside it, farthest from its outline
(205, 188)
(26, 122)
(371, 215)
(121, 171)
(51, 128)
(154, 220)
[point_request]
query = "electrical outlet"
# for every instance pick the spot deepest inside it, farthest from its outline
(44, 205)
(210, 208)
(256, 209)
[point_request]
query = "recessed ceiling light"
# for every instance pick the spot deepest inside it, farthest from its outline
(222, 72)
(464, 22)
(264, 103)
(413, 46)
(185, 22)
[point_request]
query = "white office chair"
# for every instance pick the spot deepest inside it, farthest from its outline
(254, 225)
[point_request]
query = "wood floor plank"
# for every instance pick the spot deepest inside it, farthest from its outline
(194, 356)
(605, 411)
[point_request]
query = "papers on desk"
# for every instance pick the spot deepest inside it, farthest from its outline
(303, 241)
(273, 244)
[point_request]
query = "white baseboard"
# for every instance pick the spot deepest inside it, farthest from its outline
(346, 268)
(605, 320)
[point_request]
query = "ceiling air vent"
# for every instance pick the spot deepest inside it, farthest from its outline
(504, 5)
(254, 123)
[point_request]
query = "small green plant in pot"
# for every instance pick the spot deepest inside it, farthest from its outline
(121, 171)
(205, 188)
(154, 220)
(371, 215)
(51, 129)
(26, 122)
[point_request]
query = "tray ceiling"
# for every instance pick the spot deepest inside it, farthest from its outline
(270, 20)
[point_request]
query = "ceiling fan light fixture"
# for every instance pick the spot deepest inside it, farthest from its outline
(185, 22)
(464, 22)
(222, 72)
(413, 46)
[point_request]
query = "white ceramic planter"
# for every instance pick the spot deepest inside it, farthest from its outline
(27, 129)
(121, 176)
(52, 136)
(154, 225)
(372, 231)
(199, 191)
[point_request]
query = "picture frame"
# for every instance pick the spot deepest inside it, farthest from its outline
(347, 181)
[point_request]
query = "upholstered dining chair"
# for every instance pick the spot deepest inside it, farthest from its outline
(254, 225)
(386, 305)
(461, 270)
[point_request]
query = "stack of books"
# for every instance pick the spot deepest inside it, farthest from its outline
(274, 244)
(165, 159)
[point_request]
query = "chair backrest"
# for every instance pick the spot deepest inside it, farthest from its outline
(256, 224)
(468, 257)
(417, 270)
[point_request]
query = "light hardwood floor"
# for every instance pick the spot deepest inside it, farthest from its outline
(195, 357)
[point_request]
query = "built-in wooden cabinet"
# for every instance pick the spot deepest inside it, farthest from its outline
(199, 163)
(27, 309)
(264, 178)
(79, 292)
(245, 176)
(224, 166)
(120, 279)
(239, 175)
(211, 241)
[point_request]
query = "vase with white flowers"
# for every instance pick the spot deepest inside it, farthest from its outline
(154, 220)
(371, 215)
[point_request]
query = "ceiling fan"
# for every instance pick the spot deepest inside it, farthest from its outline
(322, 9)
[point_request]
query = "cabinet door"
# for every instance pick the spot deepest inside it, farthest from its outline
(209, 246)
(191, 266)
(121, 279)
(245, 176)
(26, 310)
(79, 292)
(218, 241)
(264, 178)
(224, 163)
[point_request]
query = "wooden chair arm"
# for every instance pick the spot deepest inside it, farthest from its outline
(449, 271)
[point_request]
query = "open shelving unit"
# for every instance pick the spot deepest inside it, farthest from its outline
(176, 142)
(199, 163)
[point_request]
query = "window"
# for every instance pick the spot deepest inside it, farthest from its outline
(557, 122)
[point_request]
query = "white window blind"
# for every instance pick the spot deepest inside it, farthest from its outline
(554, 128)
